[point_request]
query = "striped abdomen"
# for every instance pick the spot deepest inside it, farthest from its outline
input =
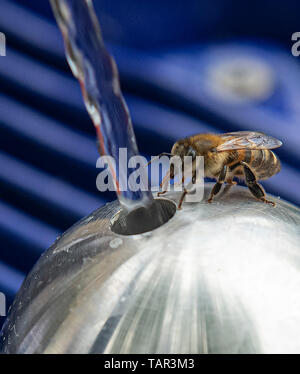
(263, 162)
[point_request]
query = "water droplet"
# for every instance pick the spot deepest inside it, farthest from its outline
(115, 243)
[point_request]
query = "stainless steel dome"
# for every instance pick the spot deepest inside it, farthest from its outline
(216, 278)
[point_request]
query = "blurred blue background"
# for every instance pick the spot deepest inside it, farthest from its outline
(186, 66)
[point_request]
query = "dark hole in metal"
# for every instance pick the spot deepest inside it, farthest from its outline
(142, 219)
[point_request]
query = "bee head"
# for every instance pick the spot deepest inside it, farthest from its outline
(183, 148)
(193, 146)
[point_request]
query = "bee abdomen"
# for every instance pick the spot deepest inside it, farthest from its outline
(264, 163)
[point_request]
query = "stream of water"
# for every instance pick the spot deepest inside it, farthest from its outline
(98, 76)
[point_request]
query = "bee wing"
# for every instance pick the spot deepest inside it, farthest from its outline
(247, 139)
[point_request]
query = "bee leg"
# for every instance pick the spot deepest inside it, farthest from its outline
(182, 198)
(217, 187)
(230, 182)
(169, 176)
(255, 188)
(160, 186)
(185, 190)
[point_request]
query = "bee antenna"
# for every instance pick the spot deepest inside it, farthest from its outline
(161, 154)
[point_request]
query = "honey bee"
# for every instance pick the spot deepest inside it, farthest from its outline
(243, 154)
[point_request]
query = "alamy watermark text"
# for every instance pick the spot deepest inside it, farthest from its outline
(178, 174)
(296, 46)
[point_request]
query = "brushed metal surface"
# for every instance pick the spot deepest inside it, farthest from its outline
(216, 278)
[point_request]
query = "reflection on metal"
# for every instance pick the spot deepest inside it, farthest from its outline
(216, 278)
(241, 79)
